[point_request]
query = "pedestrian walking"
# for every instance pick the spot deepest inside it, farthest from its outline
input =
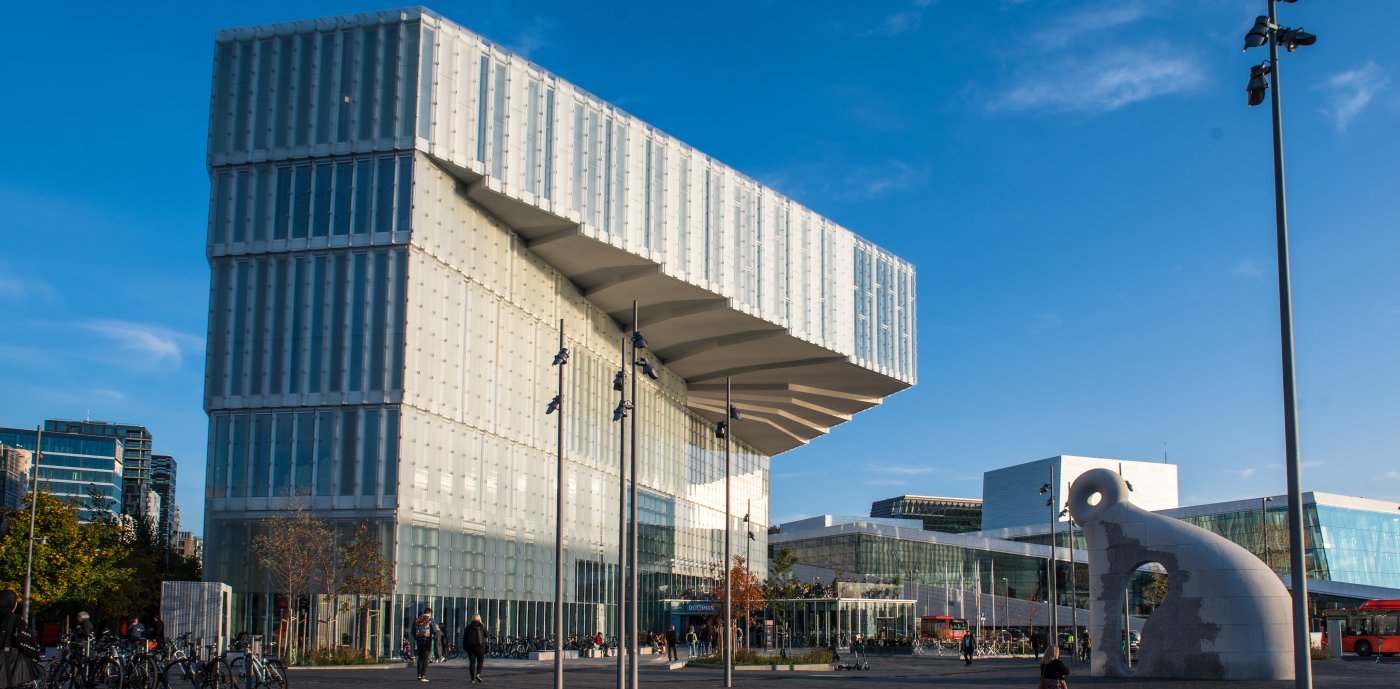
(705, 638)
(474, 643)
(425, 630)
(18, 649)
(969, 648)
(158, 630)
(1052, 670)
(671, 642)
(691, 640)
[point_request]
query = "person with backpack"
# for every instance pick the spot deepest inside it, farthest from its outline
(474, 643)
(969, 647)
(425, 631)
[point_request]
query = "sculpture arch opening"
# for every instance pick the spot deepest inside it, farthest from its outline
(1144, 591)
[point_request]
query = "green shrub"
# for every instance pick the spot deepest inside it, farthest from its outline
(339, 656)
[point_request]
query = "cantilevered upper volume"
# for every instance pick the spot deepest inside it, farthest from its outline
(735, 280)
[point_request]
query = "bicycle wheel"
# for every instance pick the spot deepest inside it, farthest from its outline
(107, 674)
(244, 677)
(145, 673)
(217, 674)
(180, 674)
(276, 674)
(66, 675)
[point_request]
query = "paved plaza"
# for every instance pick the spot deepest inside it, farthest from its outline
(887, 672)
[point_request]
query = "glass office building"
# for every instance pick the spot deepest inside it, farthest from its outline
(75, 467)
(401, 214)
(949, 515)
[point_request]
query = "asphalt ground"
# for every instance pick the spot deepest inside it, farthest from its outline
(884, 673)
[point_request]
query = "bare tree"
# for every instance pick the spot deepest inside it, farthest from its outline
(367, 575)
(292, 549)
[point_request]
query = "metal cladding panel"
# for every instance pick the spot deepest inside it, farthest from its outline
(198, 607)
(548, 144)
(1011, 496)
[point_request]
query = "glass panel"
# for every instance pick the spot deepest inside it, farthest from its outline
(405, 191)
(364, 185)
(481, 91)
(305, 452)
(321, 201)
(339, 294)
(391, 451)
(349, 427)
(369, 71)
(282, 456)
(238, 456)
(283, 204)
(358, 284)
(261, 446)
(369, 455)
(325, 451)
(384, 196)
(379, 305)
(343, 176)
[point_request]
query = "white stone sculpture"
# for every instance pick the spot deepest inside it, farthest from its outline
(1226, 614)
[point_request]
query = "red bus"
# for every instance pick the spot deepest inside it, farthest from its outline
(1372, 628)
(942, 627)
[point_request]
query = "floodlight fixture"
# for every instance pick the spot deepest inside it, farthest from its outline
(554, 404)
(1044, 488)
(1257, 83)
(722, 430)
(647, 368)
(1258, 35)
(621, 412)
(1292, 38)
(562, 357)
(638, 342)
(618, 380)
(734, 413)
(1130, 484)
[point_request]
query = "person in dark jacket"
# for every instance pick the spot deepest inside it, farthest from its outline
(19, 670)
(425, 631)
(1052, 670)
(158, 630)
(83, 633)
(672, 641)
(969, 648)
(474, 643)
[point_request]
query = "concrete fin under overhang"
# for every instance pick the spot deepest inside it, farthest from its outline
(789, 390)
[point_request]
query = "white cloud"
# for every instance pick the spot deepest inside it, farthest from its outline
(1103, 83)
(113, 395)
(1392, 474)
(155, 343)
(530, 39)
(1067, 28)
(1243, 473)
(16, 287)
(901, 22)
(1248, 268)
(1351, 91)
(885, 482)
(904, 469)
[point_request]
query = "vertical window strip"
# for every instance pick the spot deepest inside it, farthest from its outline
(349, 443)
(378, 315)
(263, 94)
(240, 337)
(365, 88)
(548, 143)
(646, 202)
(389, 77)
(607, 174)
(427, 80)
(359, 284)
(282, 106)
(498, 122)
(482, 86)
(298, 334)
(346, 86)
(532, 136)
(369, 453)
(578, 158)
(325, 87)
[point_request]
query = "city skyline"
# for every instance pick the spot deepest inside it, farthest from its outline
(1091, 219)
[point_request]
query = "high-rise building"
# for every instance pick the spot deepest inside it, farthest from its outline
(188, 545)
(402, 213)
(14, 475)
(86, 469)
(949, 515)
(136, 459)
(1012, 497)
(163, 473)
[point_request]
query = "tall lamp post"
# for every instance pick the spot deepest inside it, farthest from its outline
(1267, 31)
(722, 431)
(1264, 529)
(33, 511)
(1073, 584)
(620, 414)
(557, 405)
(639, 344)
(1051, 623)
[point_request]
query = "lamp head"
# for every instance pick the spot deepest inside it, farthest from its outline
(621, 412)
(647, 368)
(1257, 83)
(554, 404)
(1292, 38)
(562, 357)
(618, 380)
(1258, 34)
(734, 413)
(638, 342)
(1044, 488)
(722, 430)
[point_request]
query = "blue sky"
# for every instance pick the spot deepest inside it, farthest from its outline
(1085, 195)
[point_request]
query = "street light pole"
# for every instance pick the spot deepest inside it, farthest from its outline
(620, 416)
(33, 511)
(1264, 529)
(1267, 27)
(632, 546)
(560, 360)
(728, 583)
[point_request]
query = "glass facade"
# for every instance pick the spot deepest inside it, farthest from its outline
(136, 457)
(949, 515)
(379, 343)
(75, 467)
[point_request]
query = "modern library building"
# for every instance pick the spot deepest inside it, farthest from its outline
(401, 215)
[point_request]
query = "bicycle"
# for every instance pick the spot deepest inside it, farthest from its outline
(254, 670)
(193, 673)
